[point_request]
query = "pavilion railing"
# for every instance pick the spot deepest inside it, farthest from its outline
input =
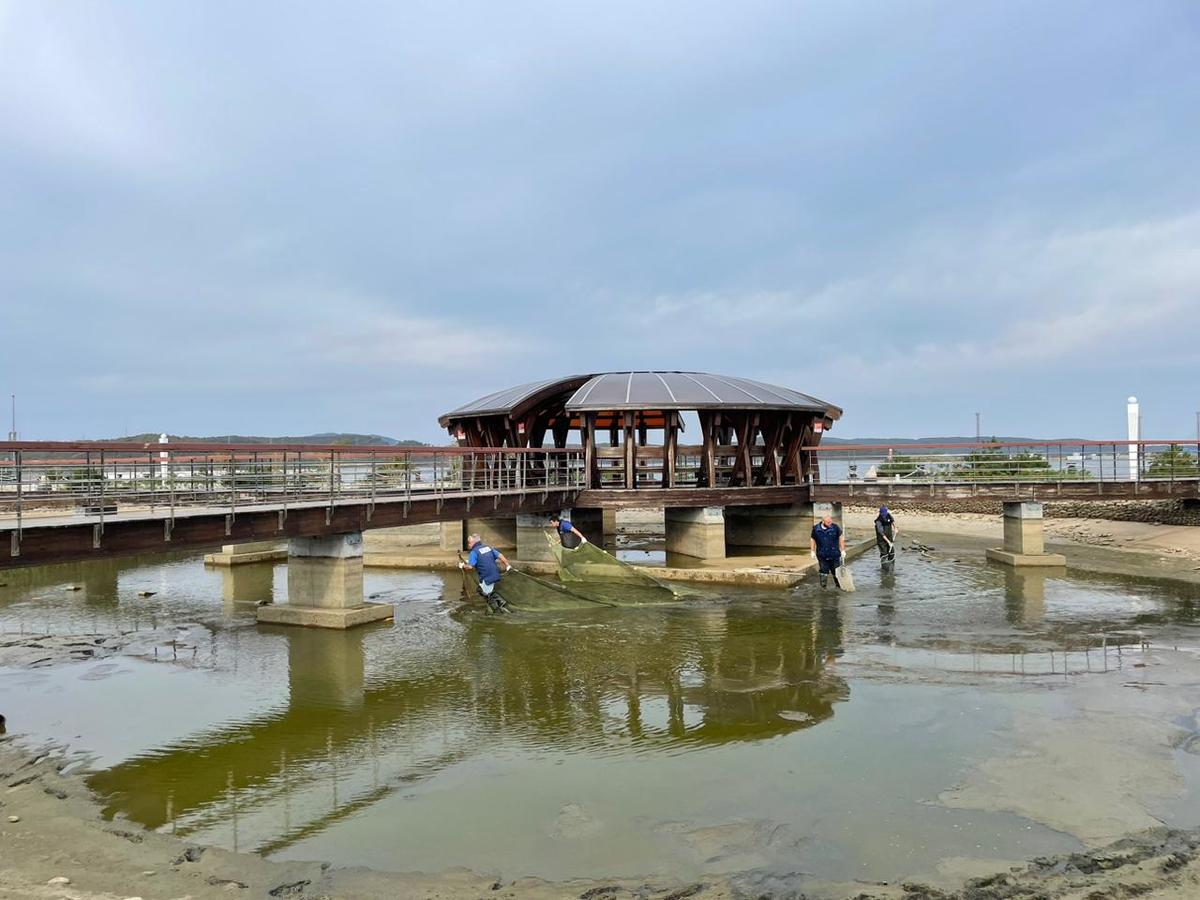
(98, 478)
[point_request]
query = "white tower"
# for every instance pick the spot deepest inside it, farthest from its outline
(1134, 421)
(163, 467)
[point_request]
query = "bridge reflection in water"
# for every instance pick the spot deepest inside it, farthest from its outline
(354, 732)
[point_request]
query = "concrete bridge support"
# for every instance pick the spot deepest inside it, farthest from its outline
(325, 585)
(434, 542)
(590, 521)
(499, 531)
(785, 527)
(1024, 541)
(698, 532)
(531, 538)
(240, 554)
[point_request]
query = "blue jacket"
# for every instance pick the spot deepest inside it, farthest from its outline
(483, 558)
(828, 540)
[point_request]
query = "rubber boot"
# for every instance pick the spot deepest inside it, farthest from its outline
(824, 580)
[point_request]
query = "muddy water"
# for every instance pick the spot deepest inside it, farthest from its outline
(789, 737)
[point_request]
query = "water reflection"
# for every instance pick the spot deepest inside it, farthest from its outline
(1025, 593)
(248, 583)
(599, 683)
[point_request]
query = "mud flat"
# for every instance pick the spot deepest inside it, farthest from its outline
(59, 834)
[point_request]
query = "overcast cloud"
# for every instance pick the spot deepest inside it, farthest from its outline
(276, 218)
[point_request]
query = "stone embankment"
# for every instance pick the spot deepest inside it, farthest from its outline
(1159, 512)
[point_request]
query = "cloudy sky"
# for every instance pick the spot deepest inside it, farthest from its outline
(281, 218)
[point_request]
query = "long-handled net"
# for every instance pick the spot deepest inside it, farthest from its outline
(592, 572)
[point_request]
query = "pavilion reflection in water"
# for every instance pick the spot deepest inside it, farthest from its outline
(352, 734)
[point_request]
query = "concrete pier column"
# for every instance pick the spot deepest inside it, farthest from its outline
(500, 532)
(608, 522)
(325, 585)
(1024, 542)
(531, 538)
(784, 527)
(240, 554)
(589, 521)
(696, 532)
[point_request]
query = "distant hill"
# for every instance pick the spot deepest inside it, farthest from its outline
(328, 437)
(828, 440)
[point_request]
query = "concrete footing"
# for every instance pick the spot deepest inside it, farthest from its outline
(698, 532)
(240, 554)
(1024, 538)
(325, 585)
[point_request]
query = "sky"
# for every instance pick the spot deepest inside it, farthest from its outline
(283, 218)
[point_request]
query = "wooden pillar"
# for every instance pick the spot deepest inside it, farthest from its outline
(771, 437)
(589, 450)
(561, 428)
(670, 441)
(630, 454)
(707, 428)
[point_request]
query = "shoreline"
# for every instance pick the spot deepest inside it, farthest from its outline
(60, 831)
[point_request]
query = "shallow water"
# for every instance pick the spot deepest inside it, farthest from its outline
(788, 735)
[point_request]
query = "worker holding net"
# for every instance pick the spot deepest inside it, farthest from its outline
(590, 571)
(568, 535)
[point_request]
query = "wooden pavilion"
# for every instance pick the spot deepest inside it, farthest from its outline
(631, 426)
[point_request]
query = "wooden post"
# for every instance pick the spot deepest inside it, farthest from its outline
(707, 426)
(630, 458)
(671, 424)
(771, 436)
(589, 450)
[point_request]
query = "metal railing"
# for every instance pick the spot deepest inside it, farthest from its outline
(102, 479)
(1027, 462)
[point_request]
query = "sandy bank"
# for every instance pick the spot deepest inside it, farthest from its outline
(1138, 549)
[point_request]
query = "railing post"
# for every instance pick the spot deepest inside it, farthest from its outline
(232, 487)
(329, 509)
(15, 547)
(371, 508)
(102, 489)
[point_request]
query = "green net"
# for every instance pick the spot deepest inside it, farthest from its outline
(528, 592)
(590, 571)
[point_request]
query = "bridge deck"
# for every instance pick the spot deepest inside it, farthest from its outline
(60, 538)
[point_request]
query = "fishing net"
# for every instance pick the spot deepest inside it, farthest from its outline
(591, 572)
(528, 592)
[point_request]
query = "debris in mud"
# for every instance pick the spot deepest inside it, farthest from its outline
(1145, 863)
(289, 890)
(227, 883)
(191, 854)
